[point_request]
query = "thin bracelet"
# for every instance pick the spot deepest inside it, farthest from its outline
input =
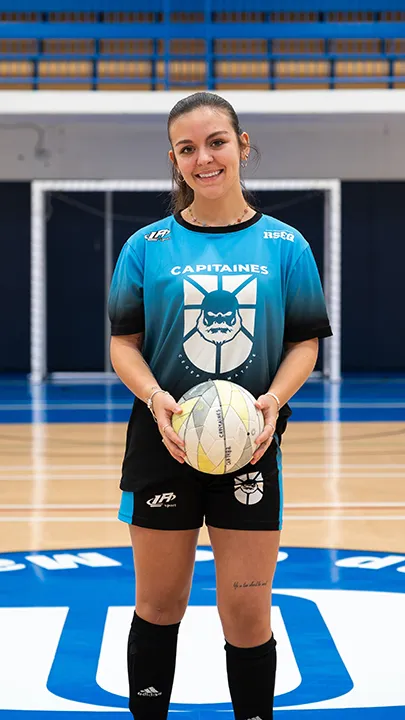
(276, 399)
(149, 401)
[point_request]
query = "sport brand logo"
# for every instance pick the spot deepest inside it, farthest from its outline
(219, 320)
(156, 235)
(149, 692)
(162, 500)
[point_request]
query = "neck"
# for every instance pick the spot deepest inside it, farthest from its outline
(221, 212)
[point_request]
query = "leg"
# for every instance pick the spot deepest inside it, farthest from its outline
(245, 564)
(164, 561)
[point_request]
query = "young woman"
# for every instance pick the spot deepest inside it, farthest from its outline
(217, 290)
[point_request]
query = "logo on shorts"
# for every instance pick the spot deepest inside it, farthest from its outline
(249, 488)
(163, 500)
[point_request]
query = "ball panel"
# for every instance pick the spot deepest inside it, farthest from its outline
(179, 420)
(238, 403)
(224, 390)
(204, 463)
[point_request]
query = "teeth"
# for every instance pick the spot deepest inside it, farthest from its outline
(208, 175)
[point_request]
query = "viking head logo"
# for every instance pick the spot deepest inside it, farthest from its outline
(249, 488)
(220, 319)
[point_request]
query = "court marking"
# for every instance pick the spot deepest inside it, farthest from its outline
(107, 518)
(106, 468)
(128, 406)
(287, 506)
(40, 473)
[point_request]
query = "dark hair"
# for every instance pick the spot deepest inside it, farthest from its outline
(182, 194)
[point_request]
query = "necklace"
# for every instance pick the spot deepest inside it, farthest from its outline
(237, 221)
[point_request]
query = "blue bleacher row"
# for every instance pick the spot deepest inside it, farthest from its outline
(207, 6)
(246, 45)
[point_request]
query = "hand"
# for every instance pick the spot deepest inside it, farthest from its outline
(164, 406)
(270, 411)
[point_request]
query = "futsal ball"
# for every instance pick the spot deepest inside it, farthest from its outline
(219, 425)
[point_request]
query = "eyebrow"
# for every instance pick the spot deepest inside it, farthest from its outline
(217, 132)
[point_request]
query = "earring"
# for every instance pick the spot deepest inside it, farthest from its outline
(243, 163)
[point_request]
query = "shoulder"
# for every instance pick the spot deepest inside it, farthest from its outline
(274, 229)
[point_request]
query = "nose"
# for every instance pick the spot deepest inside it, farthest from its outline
(204, 156)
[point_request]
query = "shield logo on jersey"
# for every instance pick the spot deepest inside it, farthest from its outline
(219, 320)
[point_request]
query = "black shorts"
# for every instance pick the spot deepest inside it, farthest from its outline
(250, 499)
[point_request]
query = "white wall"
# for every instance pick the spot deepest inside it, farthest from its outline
(132, 145)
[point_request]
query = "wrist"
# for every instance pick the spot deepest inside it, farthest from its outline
(149, 391)
(149, 401)
(276, 399)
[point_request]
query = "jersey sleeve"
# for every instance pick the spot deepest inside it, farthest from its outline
(125, 304)
(306, 316)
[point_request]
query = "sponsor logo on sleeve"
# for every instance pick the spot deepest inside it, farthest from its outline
(158, 235)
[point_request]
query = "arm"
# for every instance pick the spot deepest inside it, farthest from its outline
(130, 366)
(297, 365)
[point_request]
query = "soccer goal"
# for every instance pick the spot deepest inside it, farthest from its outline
(331, 190)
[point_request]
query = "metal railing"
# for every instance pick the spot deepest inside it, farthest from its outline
(27, 60)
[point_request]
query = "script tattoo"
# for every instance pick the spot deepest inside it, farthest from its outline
(252, 583)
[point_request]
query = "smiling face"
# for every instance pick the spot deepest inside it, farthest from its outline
(207, 152)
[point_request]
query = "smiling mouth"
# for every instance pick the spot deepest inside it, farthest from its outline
(210, 175)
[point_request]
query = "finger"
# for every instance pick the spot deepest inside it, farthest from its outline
(260, 451)
(166, 429)
(174, 450)
(171, 435)
(264, 436)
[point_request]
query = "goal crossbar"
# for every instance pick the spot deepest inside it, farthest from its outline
(38, 312)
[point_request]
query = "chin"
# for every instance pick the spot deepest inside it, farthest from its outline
(210, 193)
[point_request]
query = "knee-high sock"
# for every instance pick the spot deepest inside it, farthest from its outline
(251, 679)
(151, 665)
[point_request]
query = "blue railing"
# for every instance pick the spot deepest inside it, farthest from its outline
(29, 47)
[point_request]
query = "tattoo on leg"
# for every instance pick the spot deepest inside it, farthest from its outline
(252, 583)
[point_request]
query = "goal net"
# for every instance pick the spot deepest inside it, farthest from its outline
(82, 224)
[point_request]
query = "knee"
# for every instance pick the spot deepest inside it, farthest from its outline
(167, 609)
(245, 624)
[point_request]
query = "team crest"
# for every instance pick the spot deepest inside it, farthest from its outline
(249, 488)
(219, 320)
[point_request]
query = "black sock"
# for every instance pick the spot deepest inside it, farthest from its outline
(151, 665)
(251, 679)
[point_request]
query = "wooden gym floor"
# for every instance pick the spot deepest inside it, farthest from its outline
(343, 452)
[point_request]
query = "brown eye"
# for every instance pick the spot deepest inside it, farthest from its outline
(186, 150)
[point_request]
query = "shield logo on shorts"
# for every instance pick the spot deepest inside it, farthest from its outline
(249, 488)
(219, 320)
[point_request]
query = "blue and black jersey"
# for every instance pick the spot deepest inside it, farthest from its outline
(215, 303)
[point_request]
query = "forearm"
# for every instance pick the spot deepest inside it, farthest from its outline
(296, 367)
(130, 366)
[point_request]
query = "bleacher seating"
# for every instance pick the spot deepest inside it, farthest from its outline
(245, 44)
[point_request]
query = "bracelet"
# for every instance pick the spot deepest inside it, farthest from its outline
(149, 402)
(276, 399)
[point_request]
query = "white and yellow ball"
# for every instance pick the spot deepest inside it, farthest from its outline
(219, 425)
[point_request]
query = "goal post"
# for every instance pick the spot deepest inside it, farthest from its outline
(38, 310)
